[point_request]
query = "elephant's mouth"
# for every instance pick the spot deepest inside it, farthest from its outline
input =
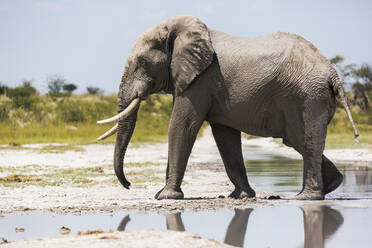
(121, 116)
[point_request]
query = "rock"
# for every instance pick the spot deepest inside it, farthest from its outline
(274, 197)
(64, 230)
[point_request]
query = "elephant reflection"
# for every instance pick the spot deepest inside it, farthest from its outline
(124, 223)
(357, 180)
(174, 222)
(235, 233)
(320, 222)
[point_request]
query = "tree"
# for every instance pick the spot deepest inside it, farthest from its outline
(27, 85)
(345, 71)
(55, 85)
(360, 79)
(94, 90)
(363, 85)
(3, 88)
(69, 88)
(363, 73)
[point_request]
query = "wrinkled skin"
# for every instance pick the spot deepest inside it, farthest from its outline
(277, 85)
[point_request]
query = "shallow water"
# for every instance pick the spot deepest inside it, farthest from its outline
(275, 174)
(280, 226)
(285, 225)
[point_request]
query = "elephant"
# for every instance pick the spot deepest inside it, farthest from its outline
(278, 85)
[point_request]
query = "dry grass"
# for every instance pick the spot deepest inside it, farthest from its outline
(19, 179)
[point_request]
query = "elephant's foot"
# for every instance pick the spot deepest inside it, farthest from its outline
(310, 195)
(240, 194)
(330, 185)
(168, 193)
(332, 177)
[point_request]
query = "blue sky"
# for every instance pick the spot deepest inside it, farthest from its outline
(87, 41)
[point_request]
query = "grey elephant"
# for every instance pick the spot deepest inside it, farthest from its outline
(277, 85)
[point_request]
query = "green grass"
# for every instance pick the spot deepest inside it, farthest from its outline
(50, 133)
(73, 120)
(346, 140)
(340, 133)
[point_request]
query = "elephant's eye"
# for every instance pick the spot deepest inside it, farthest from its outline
(141, 61)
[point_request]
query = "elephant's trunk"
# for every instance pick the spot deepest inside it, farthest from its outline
(125, 131)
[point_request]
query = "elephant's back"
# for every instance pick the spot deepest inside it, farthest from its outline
(250, 52)
(243, 59)
(305, 68)
(264, 79)
(280, 58)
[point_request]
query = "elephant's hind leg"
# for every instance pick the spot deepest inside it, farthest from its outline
(332, 177)
(228, 141)
(310, 143)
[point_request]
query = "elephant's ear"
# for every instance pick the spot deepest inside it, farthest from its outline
(192, 52)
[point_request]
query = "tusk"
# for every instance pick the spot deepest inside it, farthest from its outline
(108, 133)
(124, 114)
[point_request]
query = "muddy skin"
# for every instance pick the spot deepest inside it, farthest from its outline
(167, 193)
(239, 194)
(332, 178)
(309, 195)
(278, 85)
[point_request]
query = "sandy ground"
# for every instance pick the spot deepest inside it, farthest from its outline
(127, 239)
(205, 184)
(205, 187)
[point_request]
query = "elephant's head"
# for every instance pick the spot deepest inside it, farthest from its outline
(165, 58)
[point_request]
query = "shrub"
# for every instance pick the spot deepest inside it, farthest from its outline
(55, 84)
(5, 105)
(3, 89)
(94, 90)
(99, 110)
(69, 88)
(71, 112)
(23, 96)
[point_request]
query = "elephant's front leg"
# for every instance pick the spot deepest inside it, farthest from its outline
(183, 129)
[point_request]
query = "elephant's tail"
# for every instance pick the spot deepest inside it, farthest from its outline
(338, 89)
